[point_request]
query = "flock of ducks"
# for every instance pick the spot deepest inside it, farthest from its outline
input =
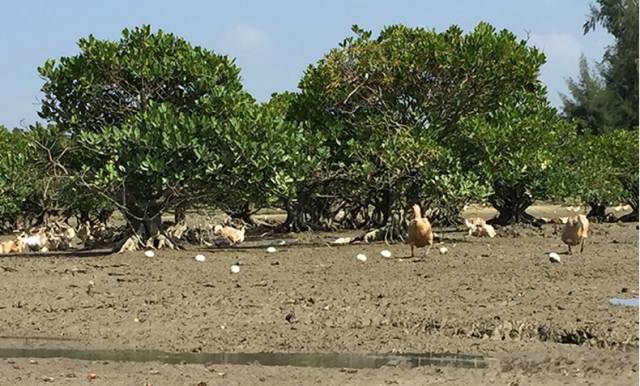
(56, 237)
(420, 232)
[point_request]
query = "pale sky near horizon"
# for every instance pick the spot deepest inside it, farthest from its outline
(273, 42)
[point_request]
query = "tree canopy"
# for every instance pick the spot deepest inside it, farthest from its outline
(388, 109)
(149, 124)
(518, 149)
(18, 180)
(608, 98)
(149, 120)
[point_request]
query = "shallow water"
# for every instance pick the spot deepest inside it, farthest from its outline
(322, 360)
(624, 302)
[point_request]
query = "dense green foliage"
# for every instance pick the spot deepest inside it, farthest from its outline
(605, 100)
(608, 98)
(268, 157)
(518, 149)
(587, 106)
(623, 145)
(31, 193)
(150, 124)
(389, 109)
(18, 180)
(606, 170)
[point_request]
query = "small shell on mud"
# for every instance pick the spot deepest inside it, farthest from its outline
(443, 250)
(385, 253)
(149, 253)
(200, 258)
(361, 257)
(235, 268)
(271, 249)
(342, 240)
(554, 257)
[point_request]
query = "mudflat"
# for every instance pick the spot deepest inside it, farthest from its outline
(539, 322)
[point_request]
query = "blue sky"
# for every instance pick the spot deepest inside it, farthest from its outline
(272, 41)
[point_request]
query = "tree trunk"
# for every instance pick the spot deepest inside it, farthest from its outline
(633, 202)
(242, 212)
(149, 227)
(633, 216)
(295, 218)
(146, 233)
(104, 215)
(84, 217)
(597, 211)
(180, 215)
(40, 218)
(146, 228)
(634, 205)
(512, 208)
(446, 216)
(630, 217)
(412, 195)
(385, 206)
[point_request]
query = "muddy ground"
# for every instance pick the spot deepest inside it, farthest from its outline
(540, 322)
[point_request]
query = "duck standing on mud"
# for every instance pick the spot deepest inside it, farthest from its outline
(235, 236)
(420, 233)
(575, 231)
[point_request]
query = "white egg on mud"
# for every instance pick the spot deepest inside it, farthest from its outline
(385, 253)
(149, 253)
(554, 257)
(235, 268)
(271, 249)
(200, 258)
(361, 257)
(443, 250)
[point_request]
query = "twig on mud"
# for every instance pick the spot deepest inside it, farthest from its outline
(108, 265)
(328, 245)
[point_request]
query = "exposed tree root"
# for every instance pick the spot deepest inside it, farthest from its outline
(631, 217)
(135, 243)
(393, 231)
(176, 231)
(597, 212)
(130, 244)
